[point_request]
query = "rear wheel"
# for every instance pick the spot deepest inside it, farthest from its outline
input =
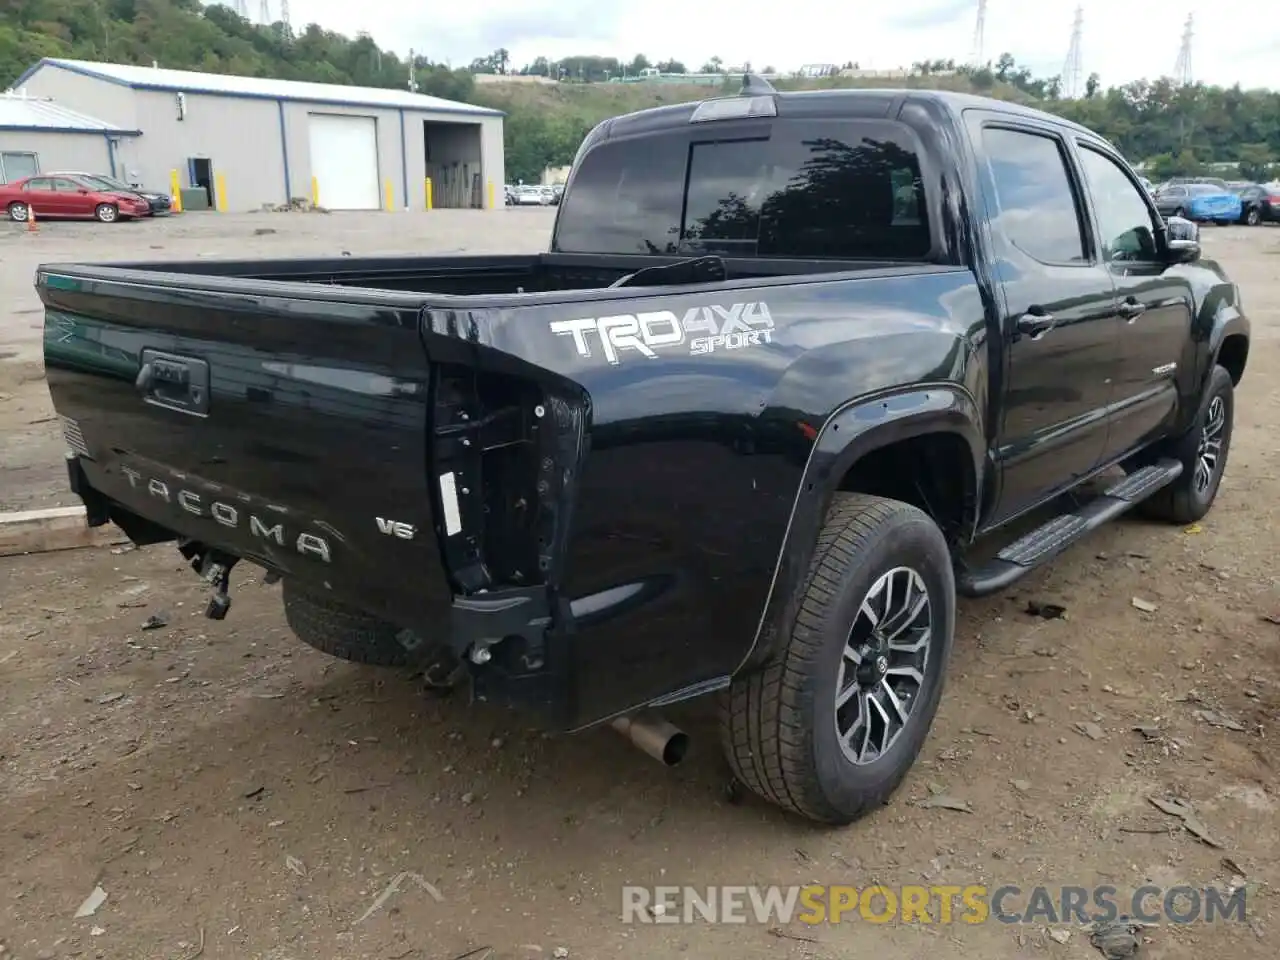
(1203, 452)
(348, 633)
(831, 727)
(19, 212)
(1253, 217)
(106, 213)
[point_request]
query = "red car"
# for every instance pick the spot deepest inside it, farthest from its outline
(68, 198)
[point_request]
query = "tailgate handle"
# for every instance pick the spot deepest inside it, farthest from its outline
(173, 382)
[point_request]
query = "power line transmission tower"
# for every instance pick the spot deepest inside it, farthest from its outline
(1182, 69)
(264, 12)
(1073, 69)
(284, 17)
(979, 27)
(242, 8)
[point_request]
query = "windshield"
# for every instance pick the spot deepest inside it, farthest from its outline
(1202, 189)
(783, 188)
(106, 183)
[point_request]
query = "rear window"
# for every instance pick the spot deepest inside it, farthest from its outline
(1203, 189)
(847, 191)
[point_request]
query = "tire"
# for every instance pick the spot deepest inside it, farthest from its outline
(779, 724)
(19, 212)
(350, 634)
(1190, 497)
(1253, 217)
(106, 213)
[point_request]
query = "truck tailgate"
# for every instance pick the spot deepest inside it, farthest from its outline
(289, 427)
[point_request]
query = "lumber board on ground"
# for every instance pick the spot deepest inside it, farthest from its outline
(58, 528)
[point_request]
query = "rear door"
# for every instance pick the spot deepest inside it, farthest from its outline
(1059, 321)
(40, 196)
(1154, 302)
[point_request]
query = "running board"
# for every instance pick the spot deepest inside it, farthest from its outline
(1046, 542)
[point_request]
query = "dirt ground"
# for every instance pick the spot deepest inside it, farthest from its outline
(237, 794)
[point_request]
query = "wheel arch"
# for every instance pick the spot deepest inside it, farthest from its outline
(869, 446)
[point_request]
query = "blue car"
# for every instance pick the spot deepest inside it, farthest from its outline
(1200, 202)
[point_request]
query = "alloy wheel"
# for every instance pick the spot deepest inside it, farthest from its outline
(1209, 455)
(882, 669)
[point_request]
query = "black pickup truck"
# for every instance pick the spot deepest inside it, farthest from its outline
(790, 362)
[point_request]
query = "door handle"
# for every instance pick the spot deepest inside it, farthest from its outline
(1131, 309)
(177, 383)
(1036, 325)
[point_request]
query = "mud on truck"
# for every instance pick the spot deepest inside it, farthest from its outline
(793, 368)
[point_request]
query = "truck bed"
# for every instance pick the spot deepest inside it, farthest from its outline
(422, 437)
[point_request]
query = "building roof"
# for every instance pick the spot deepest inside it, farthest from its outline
(258, 88)
(45, 116)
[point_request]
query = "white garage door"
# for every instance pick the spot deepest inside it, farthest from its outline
(344, 159)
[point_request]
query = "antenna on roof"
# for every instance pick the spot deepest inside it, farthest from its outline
(756, 86)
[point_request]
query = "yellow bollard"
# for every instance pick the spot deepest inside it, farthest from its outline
(389, 194)
(491, 204)
(175, 189)
(315, 191)
(430, 198)
(220, 193)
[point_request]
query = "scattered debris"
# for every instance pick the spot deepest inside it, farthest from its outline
(1089, 729)
(263, 231)
(1058, 935)
(1270, 618)
(1022, 786)
(199, 948)
(1184, 812)
(560, 953)
(783, 935)
(393, 888)
(155, 622)
(296, 865)
(8, 656)
(110, 698)
(1215, 719)
(1146, 606)
(1117, 939)
(255, 793)
(1046, 611)
(1149, 731)
(91, 903)
(944, 802)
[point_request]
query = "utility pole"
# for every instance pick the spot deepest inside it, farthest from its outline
(1182, 69)
(976, 58)
(1073, 70)
(413, 80)
(284, 18)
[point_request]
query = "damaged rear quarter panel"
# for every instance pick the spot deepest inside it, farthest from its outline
(696, 459)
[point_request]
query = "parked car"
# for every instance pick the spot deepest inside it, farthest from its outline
(160, 203)
(530, 195)
(68, 198)
(743, 430)
(1200, 202)
(1260, 204)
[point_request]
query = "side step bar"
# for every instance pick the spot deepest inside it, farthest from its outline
(1046, 542)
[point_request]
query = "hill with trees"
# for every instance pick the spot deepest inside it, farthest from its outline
(1174, 130)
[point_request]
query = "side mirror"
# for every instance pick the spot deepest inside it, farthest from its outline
(1184, 251)
(1183, 237)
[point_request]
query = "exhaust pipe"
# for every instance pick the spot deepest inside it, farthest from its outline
(661, 740)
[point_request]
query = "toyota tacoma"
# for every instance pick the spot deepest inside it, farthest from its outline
(796, 370)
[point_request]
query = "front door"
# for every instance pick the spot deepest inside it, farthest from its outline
(1153, 300)
(1059, 322)
(70, 199)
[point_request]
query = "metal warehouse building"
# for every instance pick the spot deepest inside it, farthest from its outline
(40, 135)
(271, 141)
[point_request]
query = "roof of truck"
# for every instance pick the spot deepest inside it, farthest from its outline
(869, 102)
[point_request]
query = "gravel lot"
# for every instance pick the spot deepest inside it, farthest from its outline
(239, 794)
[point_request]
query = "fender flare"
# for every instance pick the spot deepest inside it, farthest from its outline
(856, 429)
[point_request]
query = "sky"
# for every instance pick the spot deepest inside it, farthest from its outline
(1123, 40)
